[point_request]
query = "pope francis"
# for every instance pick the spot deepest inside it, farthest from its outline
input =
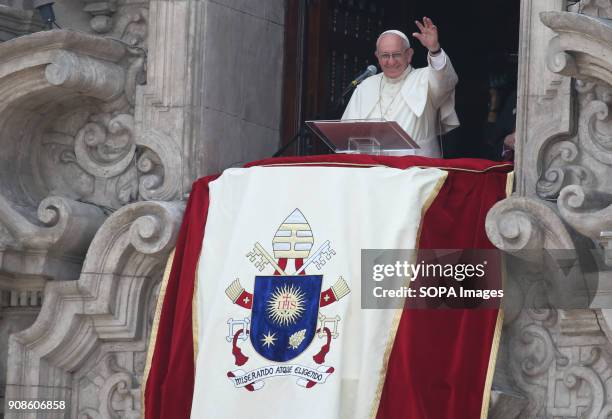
(421, 100)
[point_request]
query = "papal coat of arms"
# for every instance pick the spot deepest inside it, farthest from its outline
(285, 318)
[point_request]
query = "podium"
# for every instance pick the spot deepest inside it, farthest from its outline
(363, 136)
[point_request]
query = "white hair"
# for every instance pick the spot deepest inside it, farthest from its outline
(402, 35)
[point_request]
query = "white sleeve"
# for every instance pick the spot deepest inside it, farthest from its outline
(437, 61)
(442, 80)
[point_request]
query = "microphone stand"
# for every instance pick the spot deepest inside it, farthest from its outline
(340, 100)
(300, 134)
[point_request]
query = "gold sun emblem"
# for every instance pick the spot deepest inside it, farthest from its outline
(286, 305)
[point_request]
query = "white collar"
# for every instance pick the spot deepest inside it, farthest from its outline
(400, 78)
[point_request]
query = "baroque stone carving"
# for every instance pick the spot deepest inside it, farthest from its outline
(582, 50)
(561, 168)
(103, 163)
(582, 159)
(115, 386)
(588, 211)
(17, 22)
(597, 8)
(559, 360)
(49, 225)
(63, 223)
(545, 103)
(521, 223)
(126, 20)
(82, 323)
(68, 128)
(581, 46)
(523, 227)
(555, 363)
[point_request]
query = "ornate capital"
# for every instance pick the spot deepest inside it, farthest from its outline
(582, 47)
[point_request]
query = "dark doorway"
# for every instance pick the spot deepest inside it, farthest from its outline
(329, 42)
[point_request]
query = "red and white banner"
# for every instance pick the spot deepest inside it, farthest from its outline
(275, 325)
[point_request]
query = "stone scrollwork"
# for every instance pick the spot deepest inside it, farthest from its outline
(582, 45)
(92, 77)
(558, 60)
(588, 211)
(150, 234)
(103, 309)
(560, 358)
(575, 376)
(63, 71)
(122, 19)
(126, 21)
(72, 166)
(595, 131)
(160, 166)
(533, 353)
(110, 167)
(521, 223)
(538, 361)
(584, 158)
(116, 386)
(85, 146)
(62, 223)
(96, 164)
(131, 23)
(597, 8)
(559, 377)
(562, 168)
(106, 148)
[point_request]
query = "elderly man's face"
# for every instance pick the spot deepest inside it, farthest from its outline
(392, 55)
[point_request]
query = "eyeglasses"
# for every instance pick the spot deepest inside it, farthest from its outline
(387, 56)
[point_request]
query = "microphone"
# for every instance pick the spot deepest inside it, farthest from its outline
(370, 71)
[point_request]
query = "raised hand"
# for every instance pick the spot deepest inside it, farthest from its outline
(428, 35)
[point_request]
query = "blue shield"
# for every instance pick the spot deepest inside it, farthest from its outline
(284, 315)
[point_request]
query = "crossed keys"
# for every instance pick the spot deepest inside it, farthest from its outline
(261, 258)
(323, 254)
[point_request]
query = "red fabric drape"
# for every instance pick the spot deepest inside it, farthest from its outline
(439, 361)
(169, 384)
(433, 372)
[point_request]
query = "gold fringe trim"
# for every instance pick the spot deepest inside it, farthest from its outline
(154, 329)
(486, 396)
(383, 373)
(340, 164)
(398, 315)
(320, 163)
(432, 197)
(509, 184)
(195, 326)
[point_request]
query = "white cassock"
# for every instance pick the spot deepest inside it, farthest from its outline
(414, 100)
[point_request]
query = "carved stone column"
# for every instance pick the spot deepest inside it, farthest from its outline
(213, 91)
